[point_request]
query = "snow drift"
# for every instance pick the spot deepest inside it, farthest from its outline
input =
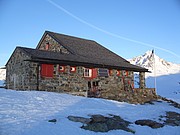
(28, 113)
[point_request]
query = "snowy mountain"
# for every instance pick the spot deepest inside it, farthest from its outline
(167, 75)
(151, 61)
(2, 74)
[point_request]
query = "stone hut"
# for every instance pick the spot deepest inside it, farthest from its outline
(62, 63)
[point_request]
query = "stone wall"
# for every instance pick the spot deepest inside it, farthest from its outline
(116, 87)
(64, 81)
(53, 45)
(26, 75)
(19, 73)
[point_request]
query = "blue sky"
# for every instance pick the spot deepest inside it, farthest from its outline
(127, 27)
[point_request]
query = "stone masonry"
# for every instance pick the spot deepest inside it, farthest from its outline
(23, 74)
(53, 45)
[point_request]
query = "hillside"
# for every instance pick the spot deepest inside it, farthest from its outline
(45, 113)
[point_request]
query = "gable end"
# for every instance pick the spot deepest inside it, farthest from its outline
(49, 43)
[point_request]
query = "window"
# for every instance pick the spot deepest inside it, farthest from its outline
(118, 73)
(73, 69)
(127, 73)
(62, 68)
(110, 72)
(87, 72)
(47, 70)
(102, 72)
(47, 46)
(124, 73)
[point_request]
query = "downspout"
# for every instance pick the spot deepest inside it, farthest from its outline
(37, 74)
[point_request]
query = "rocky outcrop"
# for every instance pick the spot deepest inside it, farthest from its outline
(172, 119)
(100, 123)
(173, 103)
(150, 123)
(79, 119)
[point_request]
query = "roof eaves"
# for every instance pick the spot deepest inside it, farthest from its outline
(20, 48)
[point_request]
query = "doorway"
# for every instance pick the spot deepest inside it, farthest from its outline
(93, 89)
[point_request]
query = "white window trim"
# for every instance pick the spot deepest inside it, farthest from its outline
(89, 74)
(73, 69)
(63, 68)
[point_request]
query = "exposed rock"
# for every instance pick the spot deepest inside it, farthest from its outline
(173, 103)
(172, 119)
(96, 127)
(149, 102)
(98, 118)
(150, 123)
(79, 119)
(100, 123)
(53, 120)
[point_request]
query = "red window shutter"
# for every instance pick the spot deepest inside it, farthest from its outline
(126, 73)
(50, 69)
(94, 73)
(47, 70)
(110, 72)
(47, 46)
(43, 69)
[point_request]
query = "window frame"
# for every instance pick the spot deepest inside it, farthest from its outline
(63, 68)
(118, 72)
(103, 72)
(87, 72)
(72, 69)
(47, 46)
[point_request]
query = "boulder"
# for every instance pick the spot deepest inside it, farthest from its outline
(53, 120)
(79, 119)
(150, 123)
(98, 118)
(96, 127)
(101, 123)
(172, 119)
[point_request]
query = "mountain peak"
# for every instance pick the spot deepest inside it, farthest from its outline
(156, 65)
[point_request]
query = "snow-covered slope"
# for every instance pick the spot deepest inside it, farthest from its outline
(167, 86)
(28, 112)
(151, 61)
(2, 74)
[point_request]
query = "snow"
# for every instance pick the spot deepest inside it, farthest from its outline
(156, 65)
(1, 82)
(2, 74)
(28, 112)
(167, 86)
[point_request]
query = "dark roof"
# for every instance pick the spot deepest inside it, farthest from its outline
(89, 51)
(84, 47)
(83, 52)
(71, 59)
